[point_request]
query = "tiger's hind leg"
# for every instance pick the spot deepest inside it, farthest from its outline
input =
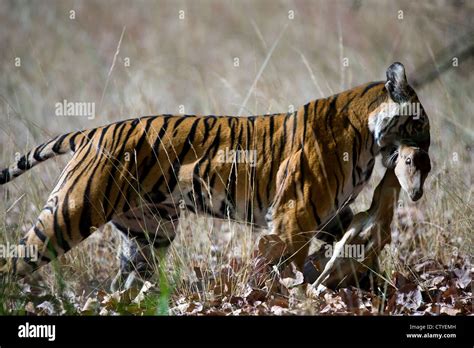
(145, 235)
(59, 227)
(79, 204)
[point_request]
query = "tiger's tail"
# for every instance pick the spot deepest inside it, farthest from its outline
(56, 146)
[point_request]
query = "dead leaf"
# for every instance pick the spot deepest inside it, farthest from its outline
(408, 297)
(451, 292)
(45, 307)
(194, 307)
(291, 282)
(427, 266)
(30, 307)
(91, 305)
(448, 310)
(237, 301)
(277, 310)
(464, 276)
(431, 283)
(279, 301)
(256, 295)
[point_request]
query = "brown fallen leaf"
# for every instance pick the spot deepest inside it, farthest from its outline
(279, 301)
(91, 305)
(451, 293)
(194, 307)
(30, 308)
(431, 283)
(448, 310)
(291, 282)
(427, 266)
(237, 301)
(350, 298)
(277, 310)
(256, 295)
(45, 308)
(464, 276)
(407, 298)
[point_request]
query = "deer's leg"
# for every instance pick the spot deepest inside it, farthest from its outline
(369, 228)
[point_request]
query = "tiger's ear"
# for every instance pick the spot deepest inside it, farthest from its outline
(397, 84)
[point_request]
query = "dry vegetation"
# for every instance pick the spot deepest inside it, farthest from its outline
(190, 62)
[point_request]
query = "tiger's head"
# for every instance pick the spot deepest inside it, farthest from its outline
(401, 118)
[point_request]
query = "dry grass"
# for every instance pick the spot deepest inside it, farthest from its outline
(190, 62)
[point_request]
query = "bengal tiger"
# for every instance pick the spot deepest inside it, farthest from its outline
(139, 174)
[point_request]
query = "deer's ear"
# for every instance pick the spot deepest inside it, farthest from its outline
(397, 84)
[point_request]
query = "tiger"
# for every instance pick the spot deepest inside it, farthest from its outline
(369, 230)
(140, 174)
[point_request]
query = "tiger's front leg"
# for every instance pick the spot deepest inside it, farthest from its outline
(294, 216)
